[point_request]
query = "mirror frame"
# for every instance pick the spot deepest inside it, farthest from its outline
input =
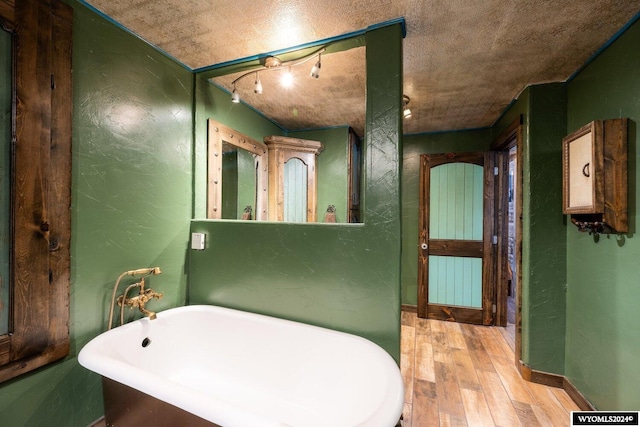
(218, 134)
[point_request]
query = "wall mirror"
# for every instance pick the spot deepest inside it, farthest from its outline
(237, 174)
(306, 110)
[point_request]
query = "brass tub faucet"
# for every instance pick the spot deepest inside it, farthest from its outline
(139, 301)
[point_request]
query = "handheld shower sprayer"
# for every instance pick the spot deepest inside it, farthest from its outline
(148, 270)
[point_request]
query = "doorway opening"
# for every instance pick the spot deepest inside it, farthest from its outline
(512, 265)
(508, 146)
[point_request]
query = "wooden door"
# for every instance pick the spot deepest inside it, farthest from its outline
(456, 237)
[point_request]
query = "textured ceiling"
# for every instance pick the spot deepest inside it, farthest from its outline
(464, 62)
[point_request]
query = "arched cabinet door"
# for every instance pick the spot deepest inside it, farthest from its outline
(293, 178)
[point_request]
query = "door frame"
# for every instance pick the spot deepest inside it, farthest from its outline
(511, 137)
(484, 315)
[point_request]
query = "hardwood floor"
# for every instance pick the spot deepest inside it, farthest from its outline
(457, 374)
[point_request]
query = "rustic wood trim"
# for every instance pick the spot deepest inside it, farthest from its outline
(455, 314)
(41, 188)
(217, 135)
(540, 377)
(5, 349)
(354, 213)
(7, 14)
(513, 137)
(423, 235)
(555, 380)
(409, 308)
(51, 354)
(615, 174)
(576, 396)
(502, 231)
(489, 255)
(506, 137)
(439, 159)
(457, 248)
(60, 163)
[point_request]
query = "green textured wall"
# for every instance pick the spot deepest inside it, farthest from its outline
(131, 204)
(333, 171)
(543, 108)
(413, 147)
(546, 252)
(346, 277)
(602, 343)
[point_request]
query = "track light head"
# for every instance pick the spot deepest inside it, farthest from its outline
(258, 85)
(235, 96)
(406, 113)
(315, 71)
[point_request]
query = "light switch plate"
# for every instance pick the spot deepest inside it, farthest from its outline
(198, 241)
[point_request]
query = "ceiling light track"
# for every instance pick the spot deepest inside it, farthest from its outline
(272, 63)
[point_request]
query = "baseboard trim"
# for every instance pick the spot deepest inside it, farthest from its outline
(577, 397)
(540, 377)
(558, 381)
(409, 308)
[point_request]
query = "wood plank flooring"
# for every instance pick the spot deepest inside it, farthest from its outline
(457, 374)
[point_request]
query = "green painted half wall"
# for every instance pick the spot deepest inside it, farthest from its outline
(345, 277)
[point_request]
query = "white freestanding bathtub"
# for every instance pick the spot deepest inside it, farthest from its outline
(238, 369)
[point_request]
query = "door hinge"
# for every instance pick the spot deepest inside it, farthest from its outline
(494, 308)
(53, 82)
(495, 240)
(495, 171)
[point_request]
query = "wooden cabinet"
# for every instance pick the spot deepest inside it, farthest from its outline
(282, 150)
(594, 168)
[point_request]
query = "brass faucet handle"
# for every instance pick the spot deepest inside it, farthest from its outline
(150, 293)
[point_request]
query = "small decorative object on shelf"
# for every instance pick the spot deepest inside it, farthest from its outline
(594, 169)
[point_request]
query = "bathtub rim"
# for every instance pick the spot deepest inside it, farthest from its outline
(193, 400)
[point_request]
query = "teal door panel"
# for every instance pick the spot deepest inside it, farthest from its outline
(456, 209)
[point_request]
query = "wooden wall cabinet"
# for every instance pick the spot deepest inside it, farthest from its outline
(594, 169)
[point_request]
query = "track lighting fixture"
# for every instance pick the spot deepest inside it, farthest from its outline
(406, 113)
(315, 71)
(235, 96)
(258, 85)
(271, 63)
